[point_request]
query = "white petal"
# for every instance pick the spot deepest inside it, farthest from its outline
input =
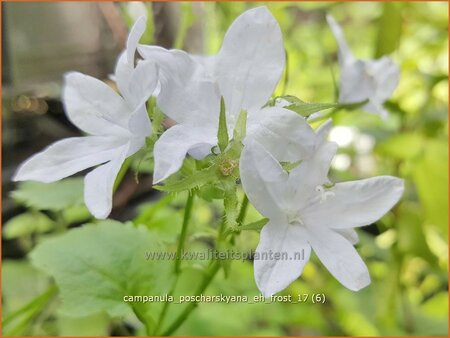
(355, 84)
(139, 123)
(136, 9)
(375, 80)
(251, 60)
(311, 173)
(387, 75)
(122, 74)
(345, 55)
(289, 243)
(339, 257)
(99, 183)
(285, 134)
(263, 180)
(208, 61)
(356, 203)
(349, 234)
(375, 107)
(67, 157)
(133, 38)
(188, 93)
(94, 107)
(136, 84)
(201, 151)
(173, 145)
(143, 81)
(323, 131)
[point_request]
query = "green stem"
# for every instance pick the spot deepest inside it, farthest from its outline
(214, 267)
(122, 172)
(28, 311)
(286, 72)
(181, 242)
(180, 247)
(142, 318)
(243, 211)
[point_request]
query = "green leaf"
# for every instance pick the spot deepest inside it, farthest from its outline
(431, 178)
(17, 290)
(94, 325)
(389, 29)
(258, 225)
(306, 109)
(222, 133)
(76, 214)
(50, 196)
(411, 235)
(27, 224)
(288, 166)
(210, 192)
(17, 323)
(95, 266)
(402, 146)
(437, 306)
(240, 128)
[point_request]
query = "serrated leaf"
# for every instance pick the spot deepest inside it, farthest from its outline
(192, 181)
(50, 196)
(306, 109)
(222, 132)
(95, 266)
(210, 192)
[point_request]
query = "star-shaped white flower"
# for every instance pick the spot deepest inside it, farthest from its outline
(116, 126)
(375, 80)
(305, 212)
(245, 73)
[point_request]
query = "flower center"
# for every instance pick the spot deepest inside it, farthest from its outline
(324, 194)
(294, 217)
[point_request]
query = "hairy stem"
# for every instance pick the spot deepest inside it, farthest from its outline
(242, 211)
(181, 242)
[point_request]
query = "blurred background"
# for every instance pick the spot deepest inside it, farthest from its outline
(406, 251)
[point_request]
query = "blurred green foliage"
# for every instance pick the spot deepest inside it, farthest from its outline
(406, 251)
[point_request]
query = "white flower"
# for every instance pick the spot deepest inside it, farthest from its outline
(305, 212)
(116, 126)
(375, 80)
(245, 73)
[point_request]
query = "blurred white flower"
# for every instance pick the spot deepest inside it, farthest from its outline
(245, 73)
(306, 212)
(116, 126)
(375, 80)
(136, 9)
(344, 136)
